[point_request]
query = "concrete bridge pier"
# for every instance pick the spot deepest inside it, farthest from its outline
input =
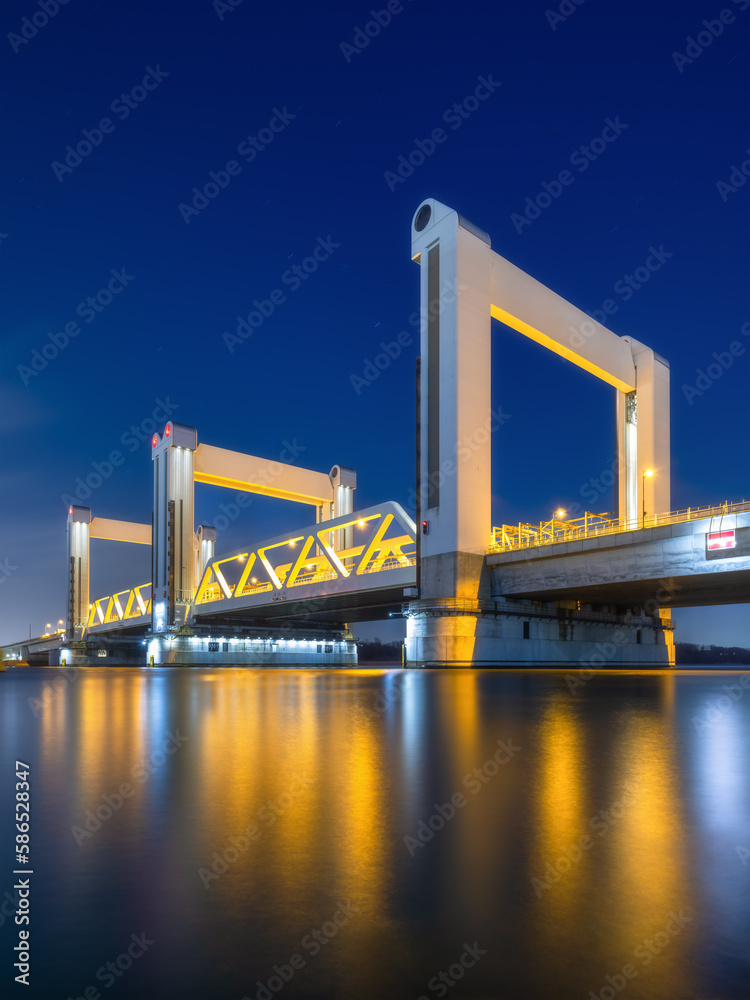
(523, 634)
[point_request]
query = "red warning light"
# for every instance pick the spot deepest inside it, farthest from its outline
(167, 430)
(70, 510)
(425, 527)
(154, 440)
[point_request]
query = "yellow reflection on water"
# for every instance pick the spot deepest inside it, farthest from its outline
(557, 857)
(645, 872)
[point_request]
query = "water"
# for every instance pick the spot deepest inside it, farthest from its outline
(320, 775)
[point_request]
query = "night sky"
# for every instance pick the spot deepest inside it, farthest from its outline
(304, 128)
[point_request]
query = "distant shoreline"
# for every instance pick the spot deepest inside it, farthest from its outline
(687, 654)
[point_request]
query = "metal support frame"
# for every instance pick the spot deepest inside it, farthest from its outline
(464, 283)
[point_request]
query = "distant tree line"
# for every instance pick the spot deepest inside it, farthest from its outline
(686, 653)
(689, 654)
(374, 650)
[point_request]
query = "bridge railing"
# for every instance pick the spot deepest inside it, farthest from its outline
(524, 535)
(120, 607)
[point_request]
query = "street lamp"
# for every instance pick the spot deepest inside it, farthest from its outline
(647, 474)
(560, 513)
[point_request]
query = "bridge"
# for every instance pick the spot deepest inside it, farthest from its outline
(547, 595)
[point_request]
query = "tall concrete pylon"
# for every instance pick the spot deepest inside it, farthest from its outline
(79, 549)
(173, 558)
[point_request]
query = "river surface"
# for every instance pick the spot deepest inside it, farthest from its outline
(327, 834)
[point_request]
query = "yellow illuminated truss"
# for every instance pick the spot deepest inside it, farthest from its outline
(385, 539)
(114, 609)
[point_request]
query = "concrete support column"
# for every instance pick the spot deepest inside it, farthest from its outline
(206, 544)
(627, 457)
(344, 483)
(665, 617)
(643, 438)
(173, 532)
(79, 548)
(652, 376)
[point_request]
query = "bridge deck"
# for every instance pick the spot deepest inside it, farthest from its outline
(671, 564)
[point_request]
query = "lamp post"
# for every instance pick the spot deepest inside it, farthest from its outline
(647, 474)
(559, 514)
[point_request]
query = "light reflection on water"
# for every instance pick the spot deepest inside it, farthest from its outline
(289, 800)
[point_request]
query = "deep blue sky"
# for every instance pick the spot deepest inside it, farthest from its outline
(323, 176)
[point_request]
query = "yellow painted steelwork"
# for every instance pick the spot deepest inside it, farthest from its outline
(315, 559)
(524, 536)
(110, 608)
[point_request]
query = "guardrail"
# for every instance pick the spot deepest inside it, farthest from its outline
(525, 536)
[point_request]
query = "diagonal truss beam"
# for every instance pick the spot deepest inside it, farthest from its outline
(388, 541)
